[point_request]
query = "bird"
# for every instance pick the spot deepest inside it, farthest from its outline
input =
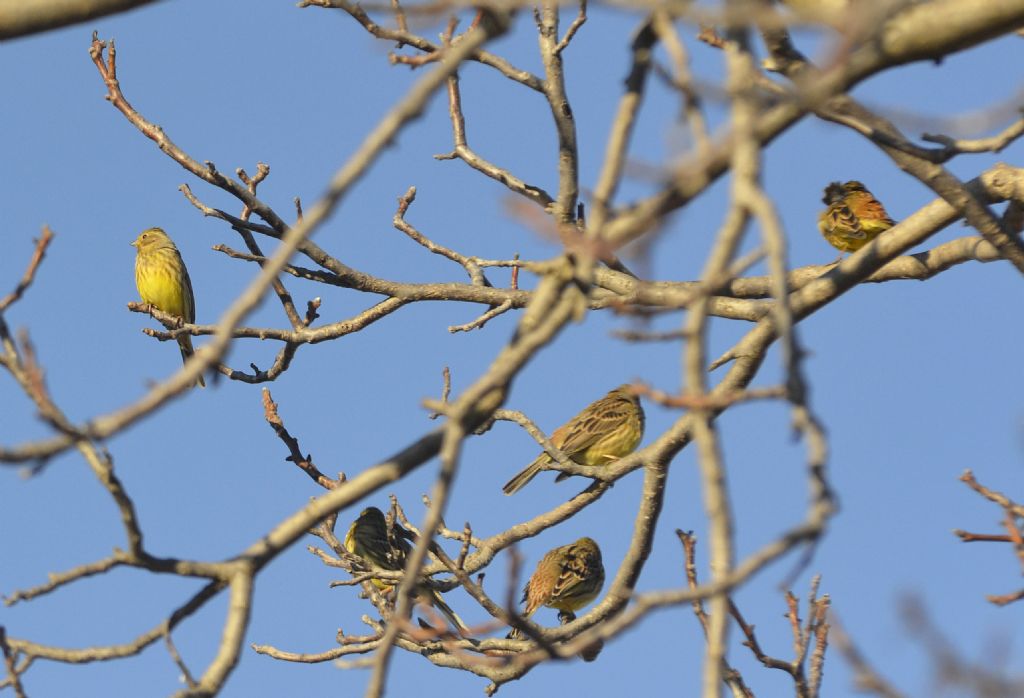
(386, 547)
(854, 217)
(162, 281)
(604, 431)
(566, 579)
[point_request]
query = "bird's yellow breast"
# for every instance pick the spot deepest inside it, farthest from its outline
(574, 603)
(614, 445)
(158, 286)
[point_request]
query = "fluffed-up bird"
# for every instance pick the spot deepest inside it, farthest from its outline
(854, 217)
(566, 579)
(386, 547)
(603, 432)
(162, 281)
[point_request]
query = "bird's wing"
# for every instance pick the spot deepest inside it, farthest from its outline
(588, 427)
(188, 299)
(398, 546)
(574, 570)
(840, 216)
(870, 207)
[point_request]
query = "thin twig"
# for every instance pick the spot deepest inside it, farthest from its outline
(30, 272)
(303, 462)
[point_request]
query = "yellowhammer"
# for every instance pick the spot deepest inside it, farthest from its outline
(604, 431)
(566, 579)
(854, 217)
(370, 538)
(163, 282)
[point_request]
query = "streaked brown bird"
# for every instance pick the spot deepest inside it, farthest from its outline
(566, 579)
(854, 217)
(162, 281)
(386, 547)
(603, 432)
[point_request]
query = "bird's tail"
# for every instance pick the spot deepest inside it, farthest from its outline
(440, 604)
(185, 344)
(590, 652)
(516, 633)
(525, 475)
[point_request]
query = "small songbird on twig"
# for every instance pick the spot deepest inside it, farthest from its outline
(603, 432)
(854, 217)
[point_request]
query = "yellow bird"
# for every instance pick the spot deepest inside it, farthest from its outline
(566, 579)
(162, 280)
(603, 432)
(370, 538)
(854, 217)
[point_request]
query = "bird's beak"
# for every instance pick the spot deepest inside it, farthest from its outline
(134, 243)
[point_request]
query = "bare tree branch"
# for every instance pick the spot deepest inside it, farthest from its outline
(25, 17)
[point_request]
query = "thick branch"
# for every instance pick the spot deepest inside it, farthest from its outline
(24, 17)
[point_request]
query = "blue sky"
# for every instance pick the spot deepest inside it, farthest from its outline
(915, 381)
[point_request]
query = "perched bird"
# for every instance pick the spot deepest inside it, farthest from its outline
(566, 579)
(163, 282)
(604, 431)
(854, 217)
(370, 538)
